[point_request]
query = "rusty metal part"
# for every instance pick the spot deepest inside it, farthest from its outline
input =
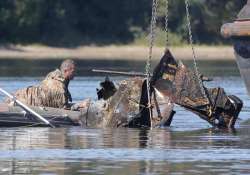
(107, 89)
(128, 107)
(175, 80)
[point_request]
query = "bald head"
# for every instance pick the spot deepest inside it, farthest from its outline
(68, 69)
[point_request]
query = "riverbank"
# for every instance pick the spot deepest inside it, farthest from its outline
(126, 52)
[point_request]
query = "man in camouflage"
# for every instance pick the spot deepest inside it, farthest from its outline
(52, 91)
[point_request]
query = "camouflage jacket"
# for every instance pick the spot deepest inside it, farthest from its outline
(51, 92)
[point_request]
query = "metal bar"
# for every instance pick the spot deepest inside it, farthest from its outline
(204, 78)
(120, 73)
(27, 108)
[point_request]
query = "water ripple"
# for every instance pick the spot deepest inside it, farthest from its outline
(170, 155)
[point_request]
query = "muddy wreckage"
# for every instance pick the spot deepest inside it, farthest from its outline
(127, 105)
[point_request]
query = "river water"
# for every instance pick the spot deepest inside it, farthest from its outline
(189, 146)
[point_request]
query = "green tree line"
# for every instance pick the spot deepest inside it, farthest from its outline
(65, 22)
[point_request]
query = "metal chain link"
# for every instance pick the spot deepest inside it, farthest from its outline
(193, 51)
(152, 36)
(166, 24)
(149, 61)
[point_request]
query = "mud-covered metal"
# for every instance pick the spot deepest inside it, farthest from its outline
(107, 89)
(172, 82)
(128, 108)
(175, 80)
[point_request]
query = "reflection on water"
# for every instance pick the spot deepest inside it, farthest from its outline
(123, 151)
(189, 146)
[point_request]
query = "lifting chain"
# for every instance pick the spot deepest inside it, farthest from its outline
(149, 61)
(193, 52)
(152, 36)
(166, 24)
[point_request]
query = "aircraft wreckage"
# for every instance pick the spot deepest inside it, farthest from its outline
(127, 105)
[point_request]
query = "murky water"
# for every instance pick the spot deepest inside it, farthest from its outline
(189, 146)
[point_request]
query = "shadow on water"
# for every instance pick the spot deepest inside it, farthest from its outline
(32, 68)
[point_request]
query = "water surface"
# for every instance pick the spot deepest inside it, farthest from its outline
(189, 146)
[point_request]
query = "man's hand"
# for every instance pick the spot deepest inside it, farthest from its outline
(84, 104)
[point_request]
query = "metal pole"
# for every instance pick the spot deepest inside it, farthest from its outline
(120, 73)
(25, 107)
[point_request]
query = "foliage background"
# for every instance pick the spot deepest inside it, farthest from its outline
(96, 22)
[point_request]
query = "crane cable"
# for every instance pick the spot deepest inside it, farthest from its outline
(151, 44)
(149, 61)
(196, 70)
(166, 25)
